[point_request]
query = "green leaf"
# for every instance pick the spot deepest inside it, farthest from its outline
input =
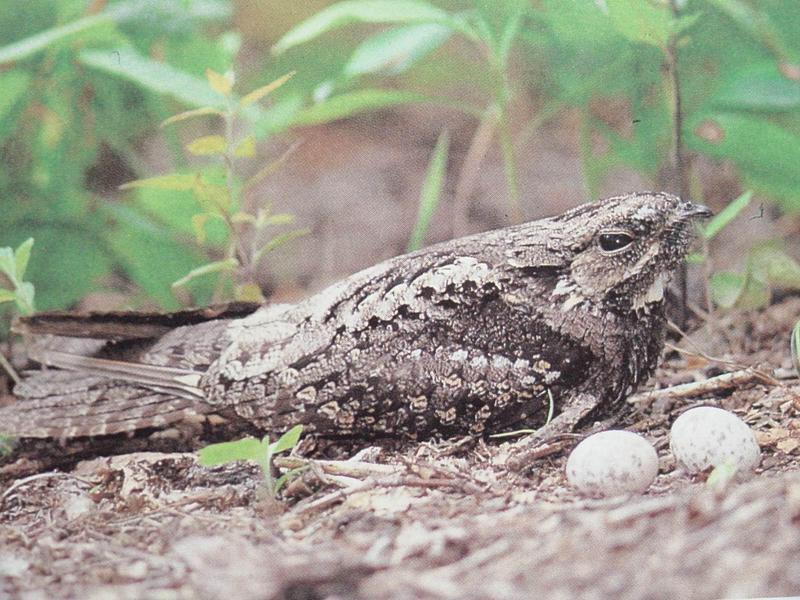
(351, 103)
(148, 251)
(396, 50)
(641, 21)
(24, 298)
(246, 148)
(265, 219)
(348, 12)
(7, 295)
(726, 287)
(277, 241)
(283, 479)
(760, 87)
(258, 93)
(8, 264)
(21, 257)
(70, 261)
(431, 190)
(287, 441)
(168, 214)
(222, 84)
(744, 292)
(225, 452)
(227, 264)
(243, 217)
(190, 114)
(176, 182)
(271, 167)
(753, 21)
(511, 30)
(766, 154)
(726, 215)
(199, 226)
(29, 46)
(152, 75)
(794, 346)
(213, 197)
(208, 145)
(770, 263)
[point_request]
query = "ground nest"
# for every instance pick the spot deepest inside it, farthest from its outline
(433, 520)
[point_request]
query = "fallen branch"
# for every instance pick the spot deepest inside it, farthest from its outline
(368, 484)
(346, 468)
(523, 456)
(725, 381)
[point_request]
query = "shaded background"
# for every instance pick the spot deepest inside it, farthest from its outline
(546, 103)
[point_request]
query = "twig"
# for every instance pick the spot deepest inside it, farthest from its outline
(731, 363)
(465, 481)
(368, 484)
(468, 175)
(8, 368)
(20, 482)
(699, 388)
(524, 455)
(338, 467)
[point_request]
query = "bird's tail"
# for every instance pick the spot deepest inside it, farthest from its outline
(65, 404)
(114, 372)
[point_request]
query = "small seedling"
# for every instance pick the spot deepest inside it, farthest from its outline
(219, 191)
(721, 475)
(261, 451)
(768, 266)
(795, 347)
(13, 264)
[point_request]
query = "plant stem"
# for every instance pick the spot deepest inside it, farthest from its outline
(510, 166)
(468, 175)
(680, 166)
(8, 368)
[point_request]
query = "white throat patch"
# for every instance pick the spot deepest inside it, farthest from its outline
(655, 293)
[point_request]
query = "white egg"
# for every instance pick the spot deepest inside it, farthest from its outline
(611, 463)
(706, 437)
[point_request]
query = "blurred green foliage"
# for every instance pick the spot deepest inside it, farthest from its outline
(80, 92)
(84, 85)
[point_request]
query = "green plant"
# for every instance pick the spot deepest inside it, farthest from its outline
(13, 264)
(218, 191)
(716, 78)
(82, 85)
(420, 29)
(261, 451)
(768, 266)
(794, 347)
(431, 191)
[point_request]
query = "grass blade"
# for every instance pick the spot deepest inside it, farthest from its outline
(431, 190)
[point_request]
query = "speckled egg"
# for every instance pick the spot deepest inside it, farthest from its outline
(706, 437)
(611, 463)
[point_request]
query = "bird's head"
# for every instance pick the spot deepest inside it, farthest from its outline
(623, 250)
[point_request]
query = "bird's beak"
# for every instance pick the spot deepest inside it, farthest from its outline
(697, 211)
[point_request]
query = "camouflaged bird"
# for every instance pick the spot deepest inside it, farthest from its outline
(478, 334)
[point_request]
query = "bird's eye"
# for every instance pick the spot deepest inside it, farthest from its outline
(612, 242)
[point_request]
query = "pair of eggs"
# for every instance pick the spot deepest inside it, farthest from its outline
(616, 462)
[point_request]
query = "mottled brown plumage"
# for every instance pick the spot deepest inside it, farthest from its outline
(473, 335)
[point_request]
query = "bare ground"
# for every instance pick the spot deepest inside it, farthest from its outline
(433, 520)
